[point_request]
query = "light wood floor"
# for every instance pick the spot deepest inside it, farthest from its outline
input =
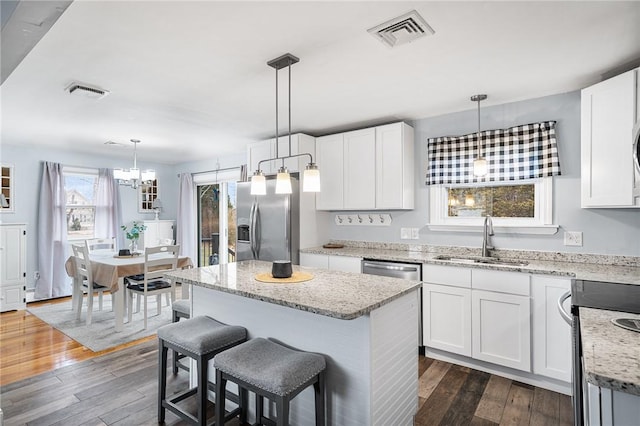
(47, 378)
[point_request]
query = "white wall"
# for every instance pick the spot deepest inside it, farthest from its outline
(27, 162)
(605, 231)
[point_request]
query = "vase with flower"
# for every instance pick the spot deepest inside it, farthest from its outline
(133, 234)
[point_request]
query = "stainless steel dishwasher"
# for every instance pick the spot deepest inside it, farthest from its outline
(406, 271)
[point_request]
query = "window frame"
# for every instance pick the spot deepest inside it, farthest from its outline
(9, 189)
(66, 170)
(151, 196)
(541, 223)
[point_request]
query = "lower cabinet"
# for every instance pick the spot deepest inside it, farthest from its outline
(501, 329)
(605, 406)
(157, 232)
(13, 276)
(331, 262)
(446, 318)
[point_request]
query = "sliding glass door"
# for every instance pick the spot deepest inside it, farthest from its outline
(216, 223)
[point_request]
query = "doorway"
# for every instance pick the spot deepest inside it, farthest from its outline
(216, 223)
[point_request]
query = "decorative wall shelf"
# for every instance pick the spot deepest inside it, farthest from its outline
(363, 219)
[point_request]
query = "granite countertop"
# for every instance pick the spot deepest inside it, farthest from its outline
(618, 269)
(611, 354)
(335, 294)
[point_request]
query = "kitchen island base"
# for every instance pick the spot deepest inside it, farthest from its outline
(372, 360)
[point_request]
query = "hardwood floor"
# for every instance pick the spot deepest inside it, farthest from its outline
(47, 378)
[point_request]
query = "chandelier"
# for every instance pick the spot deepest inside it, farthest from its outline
(311, 175)
(133, 177)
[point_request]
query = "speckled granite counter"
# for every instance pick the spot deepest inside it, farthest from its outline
(335, 294)
(621, 269)
(611, 354)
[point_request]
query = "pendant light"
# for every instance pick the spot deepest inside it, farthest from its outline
(480, 163)
(133, 177)
(311, 174)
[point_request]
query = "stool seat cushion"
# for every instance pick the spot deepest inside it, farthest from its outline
(182, 306)
(270, 366)
(201, 335)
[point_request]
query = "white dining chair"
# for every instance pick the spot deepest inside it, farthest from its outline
(157, 261)
(84, 275)
(102, 244)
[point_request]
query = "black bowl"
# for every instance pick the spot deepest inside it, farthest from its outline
(281, 269)
(124, 252)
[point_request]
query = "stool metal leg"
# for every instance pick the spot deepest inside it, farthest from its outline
(259, 408)
(202, 391)
(162, 380)
(319, 393)
(221, 384)
(282, 410)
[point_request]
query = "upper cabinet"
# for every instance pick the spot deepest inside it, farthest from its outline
(368, 169)
(264, 150)
(610, 110)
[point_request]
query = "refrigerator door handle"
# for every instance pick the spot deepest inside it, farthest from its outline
(258, 232)
(252, 233)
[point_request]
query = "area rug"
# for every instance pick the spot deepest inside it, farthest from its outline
(101, 335)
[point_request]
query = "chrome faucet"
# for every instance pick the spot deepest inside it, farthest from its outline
(488, 231)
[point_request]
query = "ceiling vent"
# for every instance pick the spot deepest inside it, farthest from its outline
(403, 29)
(86, 90)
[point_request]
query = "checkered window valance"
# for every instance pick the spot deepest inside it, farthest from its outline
(521, 152)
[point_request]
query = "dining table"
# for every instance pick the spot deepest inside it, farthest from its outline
(109, 270)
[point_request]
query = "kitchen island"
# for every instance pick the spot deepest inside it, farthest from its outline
(366, 326)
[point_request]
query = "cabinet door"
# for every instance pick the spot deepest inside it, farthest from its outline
(394, 166)
(259, 151)
(12, 255)
(165, 230)
(345, 264)
(501, 329)
(329, 150)
(608, 115)
(360, 169)
(11, 297)
(313, 260)
(446, 318)
(551, 334)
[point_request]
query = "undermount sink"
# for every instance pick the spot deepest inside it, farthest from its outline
(486, 260)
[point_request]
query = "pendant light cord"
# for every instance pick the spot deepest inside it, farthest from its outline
(479, 153)
(289, 107)
(277, 113)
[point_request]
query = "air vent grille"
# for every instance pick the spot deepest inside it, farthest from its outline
(86, 90)
(403, 29)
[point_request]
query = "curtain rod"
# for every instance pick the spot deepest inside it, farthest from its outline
(214, 171)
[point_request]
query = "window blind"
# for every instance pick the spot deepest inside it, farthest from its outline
(526, 151)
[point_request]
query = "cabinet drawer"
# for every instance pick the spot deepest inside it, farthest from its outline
(503, 282)
(448, 275)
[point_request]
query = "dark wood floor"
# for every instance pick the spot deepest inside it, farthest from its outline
(120, 388)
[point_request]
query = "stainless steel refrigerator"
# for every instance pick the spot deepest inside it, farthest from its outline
(268, 225)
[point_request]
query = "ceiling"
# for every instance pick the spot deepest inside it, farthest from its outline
(190, 79)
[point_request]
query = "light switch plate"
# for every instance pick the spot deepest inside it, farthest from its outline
(405, 233)
(415, 233)
(573, 238)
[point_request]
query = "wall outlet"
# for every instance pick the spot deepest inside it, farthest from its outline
(573, 238)
(36, 275)
(405, 233)
(415, 233)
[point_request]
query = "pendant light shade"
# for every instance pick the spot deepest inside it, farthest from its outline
(480, 167)
(283, 181)
(258, 183)
(311, 178)
(133, 177)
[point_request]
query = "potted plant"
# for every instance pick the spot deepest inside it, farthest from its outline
(133, 234)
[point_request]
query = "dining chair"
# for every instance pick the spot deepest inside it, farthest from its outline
(103, 244)
(157, 262)
(84, 275)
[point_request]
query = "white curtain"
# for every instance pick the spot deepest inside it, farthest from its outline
(52, 234)
(186, 233)
(108, 211)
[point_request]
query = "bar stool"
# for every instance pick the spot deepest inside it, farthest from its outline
(179, 309)
(199, 338)
(270, 371)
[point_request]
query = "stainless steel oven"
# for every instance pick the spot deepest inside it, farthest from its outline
(407, 271)
(598, 295)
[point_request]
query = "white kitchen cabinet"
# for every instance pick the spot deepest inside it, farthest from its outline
(446, 318)
(330, 262)
(501, 329)
(368, 169)
(13, 267)
(264, 150)
(609, 111)
(394, 166)
(330, 160)
(359, 152)
(157, 231)
(551, 334)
